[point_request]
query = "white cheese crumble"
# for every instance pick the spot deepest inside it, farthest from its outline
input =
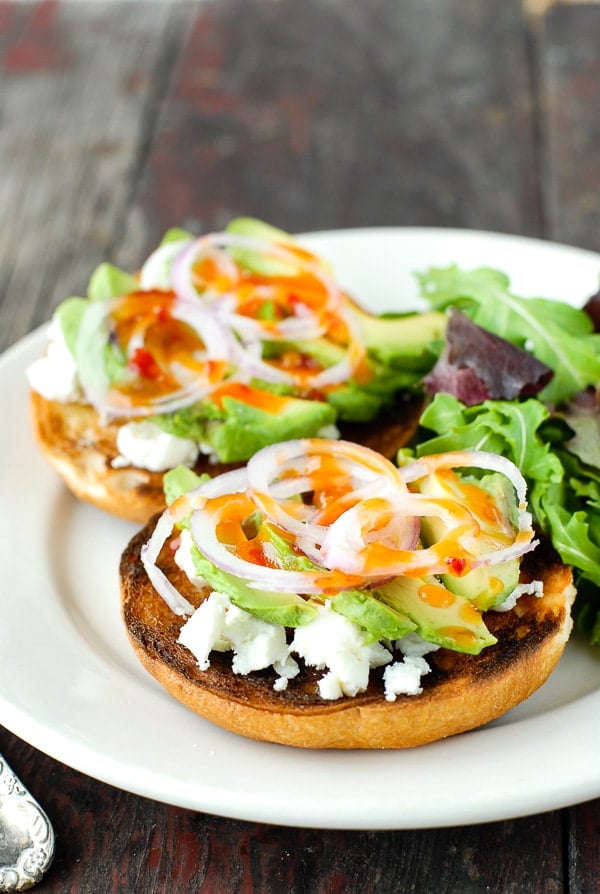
(535, 588)
(145, 445)
(404, 677)
(256, 644)
(54, 376)
(332, 641)
(183, 558)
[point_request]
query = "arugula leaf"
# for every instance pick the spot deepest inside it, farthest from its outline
(572, 541)
(509, 428)
(564, 488)
(557, 334)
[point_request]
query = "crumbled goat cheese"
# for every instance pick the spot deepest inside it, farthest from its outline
(332, 641)
(156, 271)
(404, 677)
(145, 445)
(183, 558)
(414, 646)
(535, 588)
(54, 376)
(256, 644)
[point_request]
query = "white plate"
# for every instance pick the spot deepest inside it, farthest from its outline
(70, 685)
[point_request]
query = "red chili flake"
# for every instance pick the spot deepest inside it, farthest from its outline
(143, 361)
(456, 566)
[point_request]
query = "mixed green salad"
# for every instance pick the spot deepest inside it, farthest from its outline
(546, 421)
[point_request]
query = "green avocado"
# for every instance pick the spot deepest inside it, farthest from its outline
(288, 609)
(238, 430)
(440, 617)
(486, 587)
(380, 620)
(256, 261)
(246, 429)
(409, 341)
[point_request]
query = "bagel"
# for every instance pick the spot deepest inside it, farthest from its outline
(460, 692)
(217, 347)
(82, 448)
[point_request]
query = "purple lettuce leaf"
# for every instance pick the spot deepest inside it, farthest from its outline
(476, 365)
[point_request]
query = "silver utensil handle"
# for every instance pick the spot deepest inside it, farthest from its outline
(26, 834)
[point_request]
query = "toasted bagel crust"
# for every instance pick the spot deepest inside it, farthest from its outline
(462, 692)
(81, 448)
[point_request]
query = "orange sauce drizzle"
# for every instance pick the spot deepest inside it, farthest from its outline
(436, 596)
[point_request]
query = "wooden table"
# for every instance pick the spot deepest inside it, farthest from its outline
(120, 119)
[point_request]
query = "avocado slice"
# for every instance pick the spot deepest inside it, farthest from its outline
(247, 428)
(235, 428)
(379, 619)
(493, 501)
(264, 265)
(410, 341)
(440, 617)
(288, 609)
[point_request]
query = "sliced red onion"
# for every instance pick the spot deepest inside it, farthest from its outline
(305, 325)
(477, 459)
(92, 339)
(161, 583)
(374, 534)
(270, 479)
(183, 264)
(346, 546)
(342, 371)
(261, 577)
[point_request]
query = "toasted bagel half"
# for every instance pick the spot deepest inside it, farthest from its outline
(461, 693)
(81, 447)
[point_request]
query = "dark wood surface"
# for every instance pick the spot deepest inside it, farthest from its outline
(120, 119)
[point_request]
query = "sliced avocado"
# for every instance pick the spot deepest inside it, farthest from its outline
(69, 314)
(108, 281)
(288, 609)
(493, 501)
(288, 557)
(411, 341)
(181, 480)
(176, 234)
(246, 428)
(266, 265)
(379, 619)
(441, 617)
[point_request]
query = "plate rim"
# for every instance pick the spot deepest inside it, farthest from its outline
(106, 769)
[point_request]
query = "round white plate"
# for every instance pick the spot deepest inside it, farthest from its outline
(70, 686)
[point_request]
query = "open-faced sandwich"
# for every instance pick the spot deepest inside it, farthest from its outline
(219, 346)
(323, 597)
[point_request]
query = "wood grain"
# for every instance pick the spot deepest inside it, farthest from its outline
(121, 119)
(78, 89)
(569, 78)
(378, 113)
(111, 841)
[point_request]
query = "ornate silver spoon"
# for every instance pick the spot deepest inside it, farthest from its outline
(26, 834)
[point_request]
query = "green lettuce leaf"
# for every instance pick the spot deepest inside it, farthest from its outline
(556, 333)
